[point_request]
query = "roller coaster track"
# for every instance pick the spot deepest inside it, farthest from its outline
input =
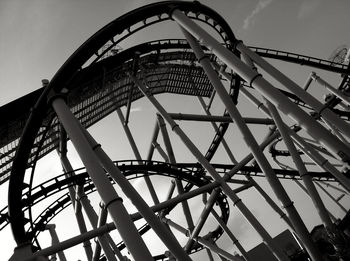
(96, 81)
(155, 52)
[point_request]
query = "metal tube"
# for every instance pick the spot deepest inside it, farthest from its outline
(304, 146)
(162, 153)
(272, 204)
(171, 156)
(110, 198)
(315, 197)
(202, 241)
(154, 138)
(334, 187)
(210, 256)
(137, 154)
(216, 128)
(259, 83)
(230, 235)
(202, 219)
(55, 240)
(92, 216)
(330, 88)
(77, 208)
(305, 190)
(271, 177)
(333, 198)
(168, 239)
(308, 82)
(228, 191)
(213, 118)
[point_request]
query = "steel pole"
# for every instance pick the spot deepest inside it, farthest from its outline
(315, 197)
(171, 156)
(55, 240)
(202, 241)
(109, 196)
(333, 198)
(214, 118)
(137, 154)
(77, 207)
(92, 216)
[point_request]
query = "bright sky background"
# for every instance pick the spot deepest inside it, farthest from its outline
(36, 38)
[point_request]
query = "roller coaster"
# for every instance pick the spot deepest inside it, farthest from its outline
(99, 79)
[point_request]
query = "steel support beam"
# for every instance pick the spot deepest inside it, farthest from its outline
(109, 196)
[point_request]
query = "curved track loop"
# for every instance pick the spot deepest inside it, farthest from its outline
(70, 71)
(95, 73)
(154, 52)
(132, 170)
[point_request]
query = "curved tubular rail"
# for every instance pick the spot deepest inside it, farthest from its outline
(132, 170)
(70, 69)
(60, 183)
(301, 59)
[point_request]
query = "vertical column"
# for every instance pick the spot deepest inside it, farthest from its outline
(110, 198)
(315, 197)
(271, 177)
(137, 154)
(55, 240)
(72, 191)
(171, 156)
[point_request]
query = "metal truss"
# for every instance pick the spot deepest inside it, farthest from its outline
(100, 79)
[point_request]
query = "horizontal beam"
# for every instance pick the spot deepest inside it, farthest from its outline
(213, 118)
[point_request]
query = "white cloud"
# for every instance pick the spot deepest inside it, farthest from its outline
(250, 19)
(307, 7)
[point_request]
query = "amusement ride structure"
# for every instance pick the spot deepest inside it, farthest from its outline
(289, 134)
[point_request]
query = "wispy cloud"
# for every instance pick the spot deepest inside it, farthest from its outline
(307, 7)
(250, 19)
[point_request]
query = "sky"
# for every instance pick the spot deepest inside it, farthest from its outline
(38, 36)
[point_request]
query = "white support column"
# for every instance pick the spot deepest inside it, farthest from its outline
(109, 196)
(55, 240)
(171, 156)
(315, 197)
